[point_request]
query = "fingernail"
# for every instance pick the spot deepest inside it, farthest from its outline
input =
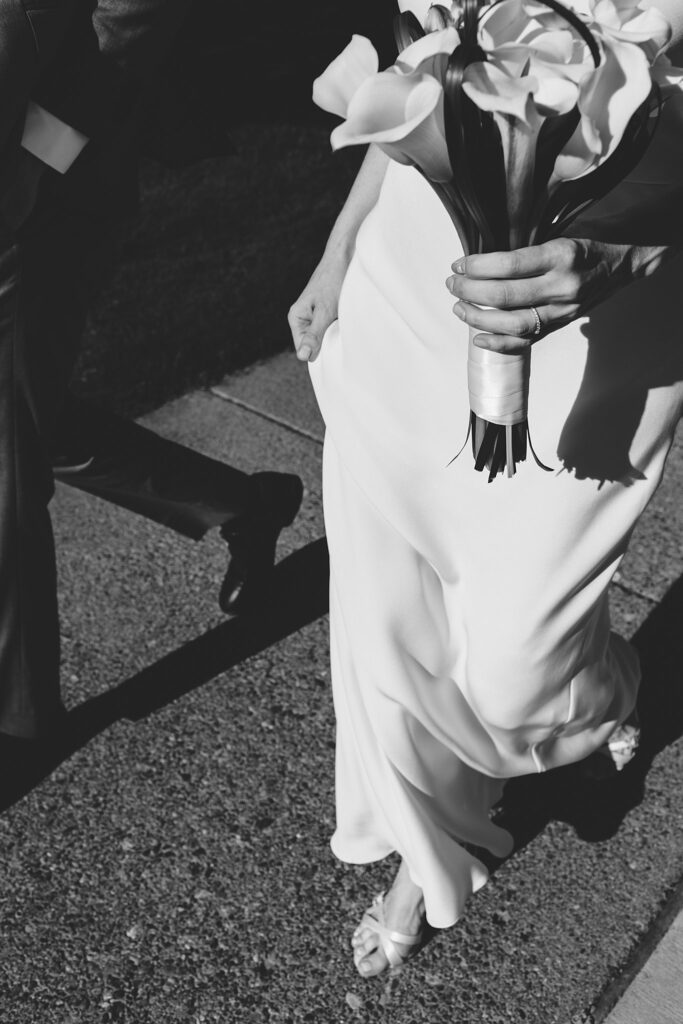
(304, 353)
(459, 266)
(459, 311)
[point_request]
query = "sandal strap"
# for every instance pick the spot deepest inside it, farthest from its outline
(373, 919)
(622, 745)
(387, 933)
(391, 953)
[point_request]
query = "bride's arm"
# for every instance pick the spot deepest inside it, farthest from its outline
(316, 307)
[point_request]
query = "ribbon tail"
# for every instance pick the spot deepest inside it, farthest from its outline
(499, 448)
(464, 444)
(485, 453)
(542, 465)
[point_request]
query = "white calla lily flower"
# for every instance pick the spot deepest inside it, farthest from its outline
(608, 98)
(526, 46)
(610, 95)
(542, 71)
(429, 55)
(632, 23)
(492, 89)
(505, 22)
(553, 95)
(335, 88)
(420, 8)
(403, 115)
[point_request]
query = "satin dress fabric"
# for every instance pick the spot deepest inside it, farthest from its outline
(470, 626)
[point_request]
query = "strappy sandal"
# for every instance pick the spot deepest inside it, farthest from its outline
(622, 745)
(373, 920)
(620, 749)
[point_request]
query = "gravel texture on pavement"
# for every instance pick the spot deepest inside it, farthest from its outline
(168, 861)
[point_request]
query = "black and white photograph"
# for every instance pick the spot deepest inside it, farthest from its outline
(341, 512)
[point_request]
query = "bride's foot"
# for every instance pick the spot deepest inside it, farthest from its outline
(392, 930)
(622, 745)
(620, 749)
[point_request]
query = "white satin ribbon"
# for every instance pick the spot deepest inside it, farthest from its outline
(498, 384)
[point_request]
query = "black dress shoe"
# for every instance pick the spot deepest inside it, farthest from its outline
(252, 539)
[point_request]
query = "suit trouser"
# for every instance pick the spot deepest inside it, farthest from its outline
(46, 281)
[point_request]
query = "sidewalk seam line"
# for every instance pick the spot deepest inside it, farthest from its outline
(634, 593)
(277, 420)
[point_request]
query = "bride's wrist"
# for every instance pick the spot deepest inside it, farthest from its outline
(339, 250)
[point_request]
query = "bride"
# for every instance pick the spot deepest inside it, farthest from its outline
(470, 629)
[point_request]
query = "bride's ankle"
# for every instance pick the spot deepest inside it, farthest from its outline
(405, 893)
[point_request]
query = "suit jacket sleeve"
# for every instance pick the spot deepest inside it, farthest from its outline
(20, 63)
(111, 48)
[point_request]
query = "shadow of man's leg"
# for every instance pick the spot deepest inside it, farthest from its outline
(118, 460)
(130, 466)
(299, 597)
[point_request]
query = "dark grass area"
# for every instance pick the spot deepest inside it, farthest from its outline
(220, 251)
(223, 245)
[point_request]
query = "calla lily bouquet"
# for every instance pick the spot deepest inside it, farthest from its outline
(520, 114)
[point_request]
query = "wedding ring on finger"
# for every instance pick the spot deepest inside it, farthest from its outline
(536, 330)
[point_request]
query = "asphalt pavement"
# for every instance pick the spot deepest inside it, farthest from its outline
(168, 860)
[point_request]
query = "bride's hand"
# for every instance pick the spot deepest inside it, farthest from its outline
(562, 279)
(316, 308)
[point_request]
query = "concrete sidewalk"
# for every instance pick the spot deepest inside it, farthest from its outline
(656, 993)
(170, 863)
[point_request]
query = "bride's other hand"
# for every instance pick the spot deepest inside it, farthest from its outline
(316, 308)
(562, 279)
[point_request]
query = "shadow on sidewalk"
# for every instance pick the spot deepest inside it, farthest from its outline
(596, 808)
(298, 596)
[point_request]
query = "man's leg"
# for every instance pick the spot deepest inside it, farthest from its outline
(40, 322)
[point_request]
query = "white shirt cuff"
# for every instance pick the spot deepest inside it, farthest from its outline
(55, 143)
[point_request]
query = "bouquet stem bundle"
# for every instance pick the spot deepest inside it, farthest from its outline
(498, 199)
(520, 114)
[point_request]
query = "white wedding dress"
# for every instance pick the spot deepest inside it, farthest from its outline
(470, 630)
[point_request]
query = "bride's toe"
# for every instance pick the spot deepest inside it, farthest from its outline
(372, 964)
(366, 946)
(369, 957)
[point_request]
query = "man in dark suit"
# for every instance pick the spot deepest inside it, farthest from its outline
(72, 74)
